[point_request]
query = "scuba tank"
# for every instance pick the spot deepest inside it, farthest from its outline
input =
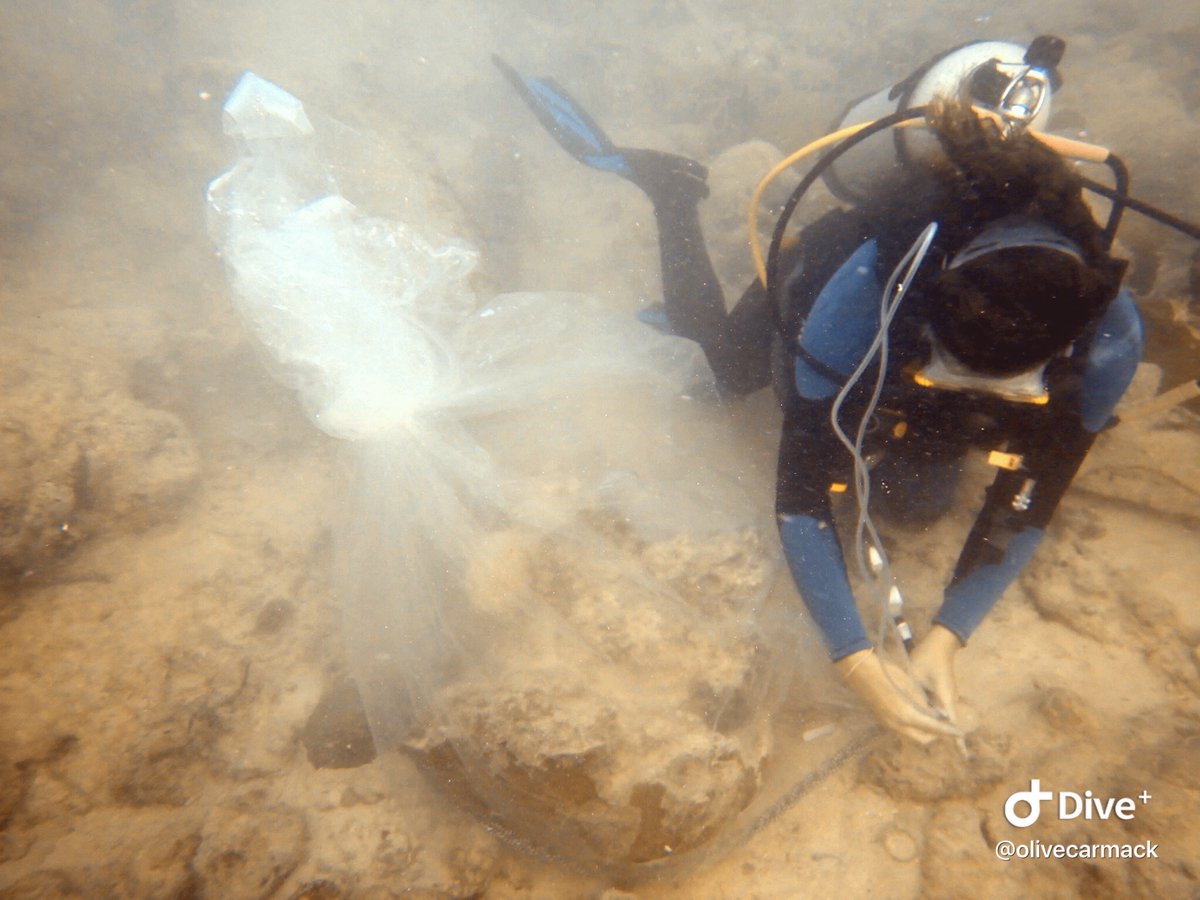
(1013, 81)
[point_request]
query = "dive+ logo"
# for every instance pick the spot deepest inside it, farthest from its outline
(1070, 805)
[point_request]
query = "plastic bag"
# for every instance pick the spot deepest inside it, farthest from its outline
(555, 589)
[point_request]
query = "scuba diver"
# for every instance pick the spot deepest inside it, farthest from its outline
(963, 297)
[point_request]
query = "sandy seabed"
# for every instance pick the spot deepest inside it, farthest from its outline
(175, 715)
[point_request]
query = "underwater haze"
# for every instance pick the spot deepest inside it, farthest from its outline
(406, 561)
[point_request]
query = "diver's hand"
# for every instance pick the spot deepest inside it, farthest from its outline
(894, 698)
(933, 668)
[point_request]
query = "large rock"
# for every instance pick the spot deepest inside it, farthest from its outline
(609, 718)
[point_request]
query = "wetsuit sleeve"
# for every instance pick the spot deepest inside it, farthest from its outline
(1020, 504)
(837, 333)
(818, 567)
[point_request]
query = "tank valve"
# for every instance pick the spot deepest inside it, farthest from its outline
(1023, 98)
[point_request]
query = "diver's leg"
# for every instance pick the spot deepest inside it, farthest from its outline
(746, 344)
(695, 304)
(737, 345)
(694, 300)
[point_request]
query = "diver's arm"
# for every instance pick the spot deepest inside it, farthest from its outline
(1007, 532)
(809, 455)
(836, 333)
(1020, 504)
(839, 327)
(810, 458)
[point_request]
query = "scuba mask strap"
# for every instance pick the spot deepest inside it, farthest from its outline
(1012, 233)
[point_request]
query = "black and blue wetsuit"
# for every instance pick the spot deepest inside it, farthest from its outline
(837, 272)
(996, 194)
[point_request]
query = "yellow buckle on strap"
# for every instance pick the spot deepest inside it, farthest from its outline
(1001, 460)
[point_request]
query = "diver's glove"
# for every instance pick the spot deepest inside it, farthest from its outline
(895, 699)
(933, 668)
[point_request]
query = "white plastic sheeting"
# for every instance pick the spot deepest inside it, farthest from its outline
(553, 584)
